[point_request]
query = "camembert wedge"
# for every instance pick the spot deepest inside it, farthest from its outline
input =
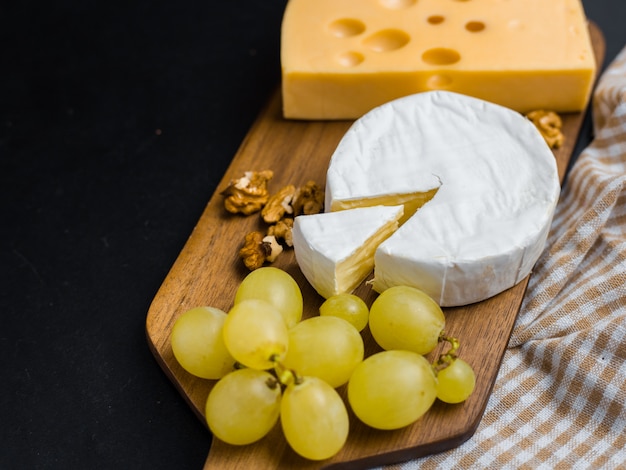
(335, 250)
(492, 181)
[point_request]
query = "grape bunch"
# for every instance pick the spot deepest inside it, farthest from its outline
(272, 366)
(394, 388)
(406, 318)
(254, 351)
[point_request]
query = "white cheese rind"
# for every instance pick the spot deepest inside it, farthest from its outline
(486, 226)
(322, 242)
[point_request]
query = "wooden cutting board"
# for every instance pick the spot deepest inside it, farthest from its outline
(208, 272)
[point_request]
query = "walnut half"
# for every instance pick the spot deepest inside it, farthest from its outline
(248, 194)
(549, 124)
(253, 253)
(278, 205)
(282, 230)
(309, 199)
(259, 248)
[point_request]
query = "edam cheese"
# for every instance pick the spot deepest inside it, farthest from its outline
(341, 58)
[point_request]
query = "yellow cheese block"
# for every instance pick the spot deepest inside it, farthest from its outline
(341, 58)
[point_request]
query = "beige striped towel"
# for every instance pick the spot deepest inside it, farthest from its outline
(560, 397)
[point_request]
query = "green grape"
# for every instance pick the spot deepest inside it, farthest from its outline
(243, 406)
(350, 307)
(314, 418)
(325, 347)
(198, 345)
(455, 382)
(406, 318)
(276, 287)
(255, 334)
(392, 389)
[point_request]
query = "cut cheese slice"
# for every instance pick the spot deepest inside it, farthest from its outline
(341, 58)
(335, 250)
(495, 186)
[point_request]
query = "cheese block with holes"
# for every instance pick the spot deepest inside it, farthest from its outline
(341, 58)
(335, 250)
(478, 182)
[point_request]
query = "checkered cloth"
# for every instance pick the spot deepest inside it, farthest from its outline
(560, 397)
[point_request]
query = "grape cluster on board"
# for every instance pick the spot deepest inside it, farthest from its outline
(271, 365)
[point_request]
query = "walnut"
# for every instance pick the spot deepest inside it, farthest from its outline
(254, 251)
(309, 199)
(282, 230)
(259, 248)
(549, 124)
(248, 194)
(278, 205)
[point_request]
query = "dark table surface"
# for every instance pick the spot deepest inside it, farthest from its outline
(117, 121)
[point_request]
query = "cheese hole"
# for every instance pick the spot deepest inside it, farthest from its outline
(397, 4)
(435, 19)
(439, 81)
(350, 59)
(475, 26)
(346, 27)
(441, 56)
(387, 40)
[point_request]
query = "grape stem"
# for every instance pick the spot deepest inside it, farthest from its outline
(448, 357)
(284, 375)
(272, 383)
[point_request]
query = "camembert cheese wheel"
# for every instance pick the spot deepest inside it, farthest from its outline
(341, 58)
(335, 250)
(478, 182)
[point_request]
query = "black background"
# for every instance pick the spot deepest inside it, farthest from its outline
(117, 121)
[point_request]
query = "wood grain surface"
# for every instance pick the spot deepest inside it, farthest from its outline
(208, 271)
